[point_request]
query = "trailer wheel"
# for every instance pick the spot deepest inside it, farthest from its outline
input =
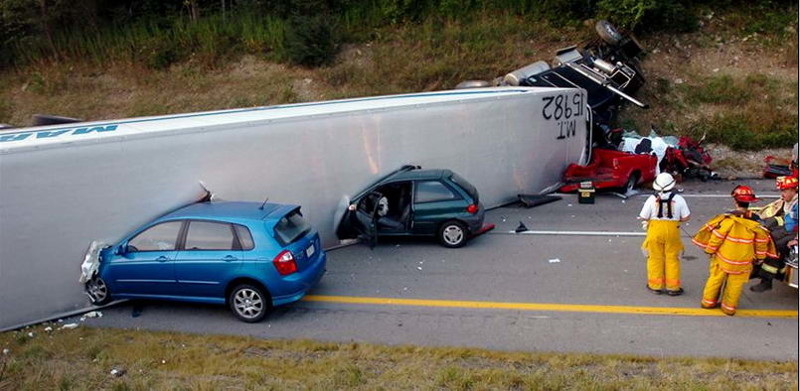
(453, 234)
(98, 292)
(608, 33)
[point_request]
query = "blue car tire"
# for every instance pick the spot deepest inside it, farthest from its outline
(98, 291)
(249, 303)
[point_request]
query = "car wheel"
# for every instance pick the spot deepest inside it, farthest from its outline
(608, 33)
(453, 234)
(249, 303)
(630, 185)
(98, 292)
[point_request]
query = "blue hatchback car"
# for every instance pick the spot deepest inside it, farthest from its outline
(250, 256)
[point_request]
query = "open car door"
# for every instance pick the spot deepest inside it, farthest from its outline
(360, 220)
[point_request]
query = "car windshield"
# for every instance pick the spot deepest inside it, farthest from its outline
(291, 227)
(466, 186)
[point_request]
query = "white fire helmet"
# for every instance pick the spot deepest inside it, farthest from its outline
(664, 182)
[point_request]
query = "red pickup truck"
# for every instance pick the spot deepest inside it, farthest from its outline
(611, 169)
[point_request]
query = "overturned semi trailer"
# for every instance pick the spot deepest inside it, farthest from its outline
(64, 186)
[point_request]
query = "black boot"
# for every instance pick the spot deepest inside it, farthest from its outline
(764, 285)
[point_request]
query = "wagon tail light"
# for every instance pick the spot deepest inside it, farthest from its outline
(285, 263)
(472, 209)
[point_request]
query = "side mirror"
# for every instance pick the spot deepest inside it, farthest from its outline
(124, 249)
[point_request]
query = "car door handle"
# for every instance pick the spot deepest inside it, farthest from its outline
(162, 259)
(229, 258)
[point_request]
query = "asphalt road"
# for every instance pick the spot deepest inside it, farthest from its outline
(540, 292)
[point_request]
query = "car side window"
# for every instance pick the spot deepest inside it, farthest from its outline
(430, 191)
(160, 237)
(245, 238)
(207, 235)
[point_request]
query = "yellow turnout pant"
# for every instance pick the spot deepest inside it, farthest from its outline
(664, 246)
(733, 288)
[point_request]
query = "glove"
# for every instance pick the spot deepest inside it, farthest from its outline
(644, 225)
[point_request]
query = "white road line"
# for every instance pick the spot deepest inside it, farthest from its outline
(570, 233)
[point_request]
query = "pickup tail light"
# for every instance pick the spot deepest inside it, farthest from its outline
(285, 263)
(472, 209)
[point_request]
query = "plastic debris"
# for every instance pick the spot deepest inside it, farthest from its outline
(69, 326)
(6, 351)
(117, 372)
(94, 314)
(554, 260)
(48, 329)
(419, 268)
(31, 335)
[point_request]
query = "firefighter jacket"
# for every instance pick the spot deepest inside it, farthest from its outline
(736, 242)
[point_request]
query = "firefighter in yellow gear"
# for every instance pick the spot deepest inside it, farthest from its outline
(661, 216)
(733, 243)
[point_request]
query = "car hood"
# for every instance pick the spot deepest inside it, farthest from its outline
(91, 261)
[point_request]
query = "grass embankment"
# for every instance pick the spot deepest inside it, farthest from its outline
(738, 87)
(84, 358)
(734, 79)
(404, 58)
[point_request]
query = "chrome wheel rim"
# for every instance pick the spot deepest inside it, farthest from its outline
(453, 234)
(97, 290)
(248, 303)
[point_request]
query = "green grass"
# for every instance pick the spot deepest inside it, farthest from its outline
(746, 112)
(82, 359)
(148, 69)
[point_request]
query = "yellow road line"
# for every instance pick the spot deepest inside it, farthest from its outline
(608, 309)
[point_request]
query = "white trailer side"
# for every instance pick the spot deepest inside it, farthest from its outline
(62, 187)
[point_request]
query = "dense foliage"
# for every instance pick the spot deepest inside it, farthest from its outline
(306, 32)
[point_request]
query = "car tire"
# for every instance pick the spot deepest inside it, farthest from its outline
(249, 303)
(608, 33)
(453, 234)
(98, 292)
(631, 183)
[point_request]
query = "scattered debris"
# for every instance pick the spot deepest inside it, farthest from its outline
(69, 326)
(531, 200)
(554, 260)
(6, 352)
(94, 314)
(48, 329)
(31, 335)
(117, 372)
(521, 228)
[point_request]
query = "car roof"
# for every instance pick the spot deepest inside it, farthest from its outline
(232, 210)
(416, 174)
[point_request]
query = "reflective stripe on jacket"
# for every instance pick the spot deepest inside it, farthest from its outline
(735, 241)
